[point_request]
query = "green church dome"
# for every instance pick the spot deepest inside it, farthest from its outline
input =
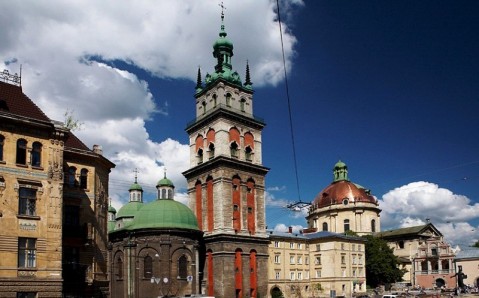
(111, 209)
(165, 182)
(164, 214)
(135, 186)
(340, 164)
(129, 209)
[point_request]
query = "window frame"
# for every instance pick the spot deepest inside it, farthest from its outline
(27, 201)
(27, 253)
(21, 152)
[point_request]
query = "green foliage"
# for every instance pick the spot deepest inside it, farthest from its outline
(476, 244)
(382, 266)
(70, 122)
(351, 233)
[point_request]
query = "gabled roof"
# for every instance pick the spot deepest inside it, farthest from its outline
(73, 142)
(409, 231)
(14, 101)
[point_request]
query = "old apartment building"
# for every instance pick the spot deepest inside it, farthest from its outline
(53, 210)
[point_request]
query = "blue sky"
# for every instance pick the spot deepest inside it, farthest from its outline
(388, 87)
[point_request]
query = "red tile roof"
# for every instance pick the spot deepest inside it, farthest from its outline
(14, 101)
(74, 142)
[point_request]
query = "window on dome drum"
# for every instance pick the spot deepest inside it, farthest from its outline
(71, 176)
(373, 226)
(37, 154)
(346, 225)
(234, 149)
(2, 142)
(163, 194)
(83, 178)
(27, 252)
(27, 201)
(325, 226)
(170, 194)
(148, 267)
(119, 268)
(182, 267)
(21, 152)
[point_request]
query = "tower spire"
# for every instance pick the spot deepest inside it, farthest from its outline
(247, 82)
(199, 83)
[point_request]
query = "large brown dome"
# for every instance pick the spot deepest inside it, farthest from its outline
(342, 191)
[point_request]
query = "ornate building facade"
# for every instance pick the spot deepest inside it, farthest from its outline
(226, 180)
(52, 224)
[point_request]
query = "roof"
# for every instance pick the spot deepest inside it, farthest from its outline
(409, 231)
(312, 236)
(468, 253)
(129, 209)
(14, 101)
(164, 214)
(73, 142)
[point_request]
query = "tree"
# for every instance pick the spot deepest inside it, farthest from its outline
(70, 122)
(476, 244)
(382, 266)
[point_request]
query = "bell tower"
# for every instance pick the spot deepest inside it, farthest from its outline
(226, 179)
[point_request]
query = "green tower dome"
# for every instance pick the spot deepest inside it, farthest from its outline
(136, 186)
(111, 209)
(165, 182)
(164, 214)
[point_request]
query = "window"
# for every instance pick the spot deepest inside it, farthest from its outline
(291, 275)
(360, 258)
(276, 244)
(434, 251)
(26, 295)
(27, 201)
(346, 225)
(318, 273)
(242, 103)
(234, 149)
(21, 152)
(300, 260)
(318, 260)
(306, 260)
(318, 247)
(83, 178)
(119, 268)
(325, 226)
(291, 259)
(373, 225)
(204, 107)
(2, 142)
(163, 194)
(215, 100)
(182, 267)
(37, 154)
(401, 244)
(342, 246)
(298, 245)
(343, 260)
(354, 260)
(277, 259)
(248, 153)
(72, 176)
(353, 247)
(27, 252)
(212, 150)
(277, 274)
(291, 245)
(199, 157)
(228, 99)
(147, 267)
(344, 274)
(170, 194)
(300, 275)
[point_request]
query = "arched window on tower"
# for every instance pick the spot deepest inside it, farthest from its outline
(236, 194)
(182, 267)
(215, 100)
(72, 171)
(203, 104)
(228, 99)
(248, 153)
(234, 149)
(199, 156)
(373, 226)
(84, 178)
(346, 225)
(325, 226)
(21, 152)
(148, 267)
(36, 154)
(119, 268)
(199, 149)
(242, 104)
(249, 146)
(210, 138)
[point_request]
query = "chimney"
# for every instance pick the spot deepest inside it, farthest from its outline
(97, 149)
(290, 230)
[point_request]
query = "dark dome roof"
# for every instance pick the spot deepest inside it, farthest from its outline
(336, 192)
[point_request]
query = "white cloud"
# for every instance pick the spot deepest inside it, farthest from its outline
(61, 46)
(284, 228)
(417, 202)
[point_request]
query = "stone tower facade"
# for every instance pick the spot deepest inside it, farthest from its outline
(226, 180)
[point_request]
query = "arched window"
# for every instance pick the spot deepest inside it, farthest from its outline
(71, 176)
(147, 267)
(373, 226)
(346, 225)
(170, 194)
(242, 104)
(37, 154)
(199, 148)
(21, 152)
(84, 178)
(210, 138)
(204, 107)
(248, 154)
(119, 268)
(236, 182)
(2, 142)
(215, 100)
(182, 267)
(199, 156)
(234, 149)
(163, 194)
(325, 226)
(228, 99)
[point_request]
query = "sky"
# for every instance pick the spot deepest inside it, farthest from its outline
(390, 88)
